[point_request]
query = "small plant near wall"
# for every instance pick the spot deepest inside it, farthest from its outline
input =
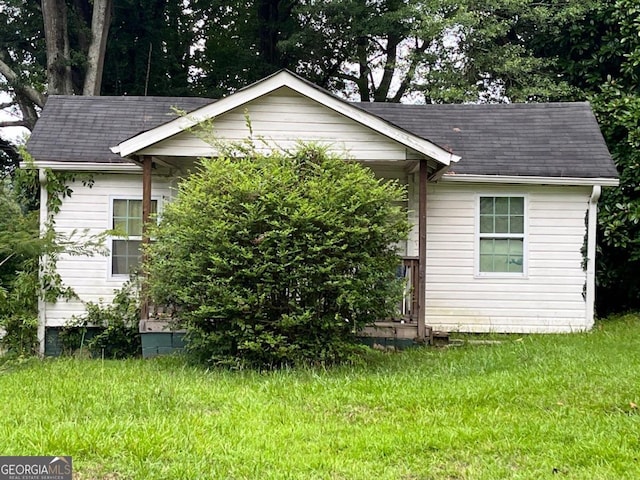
(278, 259)
(109, 330)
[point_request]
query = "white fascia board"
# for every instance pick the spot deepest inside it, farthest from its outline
(530, 180)
(85, 166)
(268, 85)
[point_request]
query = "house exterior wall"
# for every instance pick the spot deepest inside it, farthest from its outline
(547, 298)
(90, 208)
(283, 120)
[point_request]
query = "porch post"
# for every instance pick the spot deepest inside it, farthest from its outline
(422, 250)
(146, 212)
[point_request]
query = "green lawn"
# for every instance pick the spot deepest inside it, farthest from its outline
(556, 406)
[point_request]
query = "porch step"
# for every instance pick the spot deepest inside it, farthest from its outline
(439, 338)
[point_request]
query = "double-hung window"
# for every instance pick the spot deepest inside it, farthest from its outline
(127, 222)
(501, 235)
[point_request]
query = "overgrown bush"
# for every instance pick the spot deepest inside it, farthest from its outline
(114, 327)
(19, 284)
(19, 334)
(278, 260)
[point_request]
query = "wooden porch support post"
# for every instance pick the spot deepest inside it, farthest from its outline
(146, 212)
(422, 250)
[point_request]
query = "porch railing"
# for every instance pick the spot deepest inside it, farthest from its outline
(409, 304)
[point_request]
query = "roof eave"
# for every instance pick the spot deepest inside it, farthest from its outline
(103, 167)
(531, 180)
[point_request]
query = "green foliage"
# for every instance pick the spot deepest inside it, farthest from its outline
(19, 285)
(20, 336)
(149, 48)
(280, 259)
(28, 257)
(526, 408)
(619, 219)
(117, 325)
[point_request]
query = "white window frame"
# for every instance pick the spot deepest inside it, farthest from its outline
(112, 198)
(524, 236)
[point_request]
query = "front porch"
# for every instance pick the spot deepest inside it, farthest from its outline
(407, 327)
(403, 328)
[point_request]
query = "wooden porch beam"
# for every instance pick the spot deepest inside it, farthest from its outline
(422, 250)
(147, 164)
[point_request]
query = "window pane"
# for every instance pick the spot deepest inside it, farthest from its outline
(501, 247)
(515, 247)
(127, 219)
(502, 205)
(120, 224)
(119, 208)
(486, 224)
(501, 263)
(119, 266)
(516, 206)
(125, 256)
(486, 246)
(135, 208)
(133, 249)
(486, 205)
(486, 263)
(501, 215)
(515, 264)
(517, 225)
(502, 224)
(135, 226)
(119, 247)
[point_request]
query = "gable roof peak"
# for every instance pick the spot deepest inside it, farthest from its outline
(266, 86)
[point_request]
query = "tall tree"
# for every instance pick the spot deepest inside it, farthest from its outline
(240, 42)
(150, 49)
(72, 36)
(372, 51)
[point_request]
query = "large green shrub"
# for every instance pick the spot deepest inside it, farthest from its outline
(278, 260)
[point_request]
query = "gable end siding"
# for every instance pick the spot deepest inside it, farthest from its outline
(283, 120)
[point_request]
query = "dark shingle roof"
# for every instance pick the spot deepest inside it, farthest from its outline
(553, 139)
(83, 129)
(537, 139)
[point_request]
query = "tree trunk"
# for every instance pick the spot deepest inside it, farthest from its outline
(95, 57)
(381, 94)
(54, 13)
(364, 72)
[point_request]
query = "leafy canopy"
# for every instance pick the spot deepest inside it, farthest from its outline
(278, 259)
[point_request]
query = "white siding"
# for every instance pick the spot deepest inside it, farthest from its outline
(283, 120)
(547, 299)
(89, 207)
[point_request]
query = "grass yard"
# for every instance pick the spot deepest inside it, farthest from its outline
(556, 406)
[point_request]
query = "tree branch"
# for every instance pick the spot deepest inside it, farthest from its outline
(6, 105)
(411, 72)
(14, 80)
(14, 123)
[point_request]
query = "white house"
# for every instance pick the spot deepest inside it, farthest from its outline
(503, 197)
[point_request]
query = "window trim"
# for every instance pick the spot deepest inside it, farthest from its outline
(111, 238)
(524, 236)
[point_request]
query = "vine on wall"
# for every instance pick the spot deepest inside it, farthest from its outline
(30, 251)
